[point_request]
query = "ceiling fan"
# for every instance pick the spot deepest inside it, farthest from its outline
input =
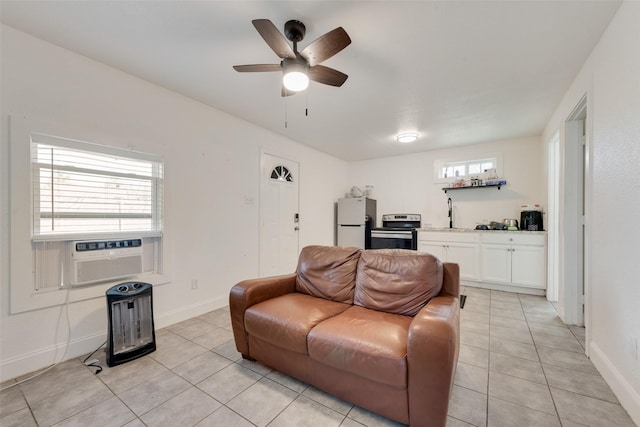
(300, 67)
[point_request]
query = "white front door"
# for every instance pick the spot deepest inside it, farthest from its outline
(278, 215)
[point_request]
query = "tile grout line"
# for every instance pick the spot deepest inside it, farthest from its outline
(535, 346)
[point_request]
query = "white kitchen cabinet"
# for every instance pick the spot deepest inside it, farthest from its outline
(461, 248)
(437, 249)
(505, 260)
(496, 263)
(528, 266)
(514, 259)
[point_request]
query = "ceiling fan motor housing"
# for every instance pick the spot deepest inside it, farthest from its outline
(298, 63)
(294, 30)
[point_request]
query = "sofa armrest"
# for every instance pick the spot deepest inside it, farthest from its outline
(249, 292)
(432, 354)
(450, 279)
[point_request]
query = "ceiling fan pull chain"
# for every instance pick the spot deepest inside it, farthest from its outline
(306, 104)
(285, 113)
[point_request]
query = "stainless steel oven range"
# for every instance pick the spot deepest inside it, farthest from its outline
(398, 231)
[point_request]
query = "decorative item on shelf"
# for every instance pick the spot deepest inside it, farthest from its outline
(490, 173)
(460, 184)
(476, 182)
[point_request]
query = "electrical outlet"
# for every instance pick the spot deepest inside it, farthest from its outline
(194, 283)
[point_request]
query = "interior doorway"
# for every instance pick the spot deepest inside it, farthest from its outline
(279, 218)
(553, 217)
(573, 286)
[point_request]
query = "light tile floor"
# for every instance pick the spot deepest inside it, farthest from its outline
(519, 365)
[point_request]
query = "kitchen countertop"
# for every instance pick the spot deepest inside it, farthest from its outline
(466, 230)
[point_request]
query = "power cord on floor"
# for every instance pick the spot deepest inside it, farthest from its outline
(93, 363)
(65, 307)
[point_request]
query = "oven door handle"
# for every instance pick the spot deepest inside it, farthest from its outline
(390, 235)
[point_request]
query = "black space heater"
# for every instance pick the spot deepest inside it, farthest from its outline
(131, 332)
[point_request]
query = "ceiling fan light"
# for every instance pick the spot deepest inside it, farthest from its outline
(295, 81)
(407, 137)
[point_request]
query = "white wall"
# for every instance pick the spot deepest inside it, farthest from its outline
(212, 163)
(611, 80)
(405, 184)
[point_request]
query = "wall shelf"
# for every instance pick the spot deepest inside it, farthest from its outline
(467, 187)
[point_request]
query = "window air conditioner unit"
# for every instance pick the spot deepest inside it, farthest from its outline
(95, 261)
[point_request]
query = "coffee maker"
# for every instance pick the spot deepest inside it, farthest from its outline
(531, 217)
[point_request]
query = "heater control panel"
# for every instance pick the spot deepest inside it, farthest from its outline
(128, 288)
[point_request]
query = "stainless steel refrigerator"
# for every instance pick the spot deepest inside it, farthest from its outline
(356, 218)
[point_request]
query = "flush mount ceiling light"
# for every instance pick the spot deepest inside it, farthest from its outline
(295, 76)
(407, 137)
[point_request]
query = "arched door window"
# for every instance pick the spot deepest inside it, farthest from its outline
(281, 173)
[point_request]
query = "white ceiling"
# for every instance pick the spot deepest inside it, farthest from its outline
(457, 72)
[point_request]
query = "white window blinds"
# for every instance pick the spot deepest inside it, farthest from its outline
(83, 190)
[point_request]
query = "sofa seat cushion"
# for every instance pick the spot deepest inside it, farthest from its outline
(369, 343)
(328, 272)
(397, 281)
(285, 321)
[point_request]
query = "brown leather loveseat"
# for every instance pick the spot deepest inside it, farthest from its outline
(377, 328)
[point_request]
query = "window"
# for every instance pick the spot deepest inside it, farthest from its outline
(63, 190)
(467, 168)
(449, 170)
(281, 173)
(82, 190)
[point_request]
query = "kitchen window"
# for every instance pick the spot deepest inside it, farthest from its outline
(448, 170)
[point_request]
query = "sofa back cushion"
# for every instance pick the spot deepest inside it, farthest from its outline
(328, 272)
(397, 280)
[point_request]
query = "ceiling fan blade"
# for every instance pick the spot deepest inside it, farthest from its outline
(274, 38)
(327, 76)
(326, 46)
(257, 68)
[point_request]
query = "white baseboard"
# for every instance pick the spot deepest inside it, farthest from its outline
(40, 359)
(30, 362)
(500, 287)
(628, 397)
(187, 312)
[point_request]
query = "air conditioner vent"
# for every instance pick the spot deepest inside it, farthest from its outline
(96, 261)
